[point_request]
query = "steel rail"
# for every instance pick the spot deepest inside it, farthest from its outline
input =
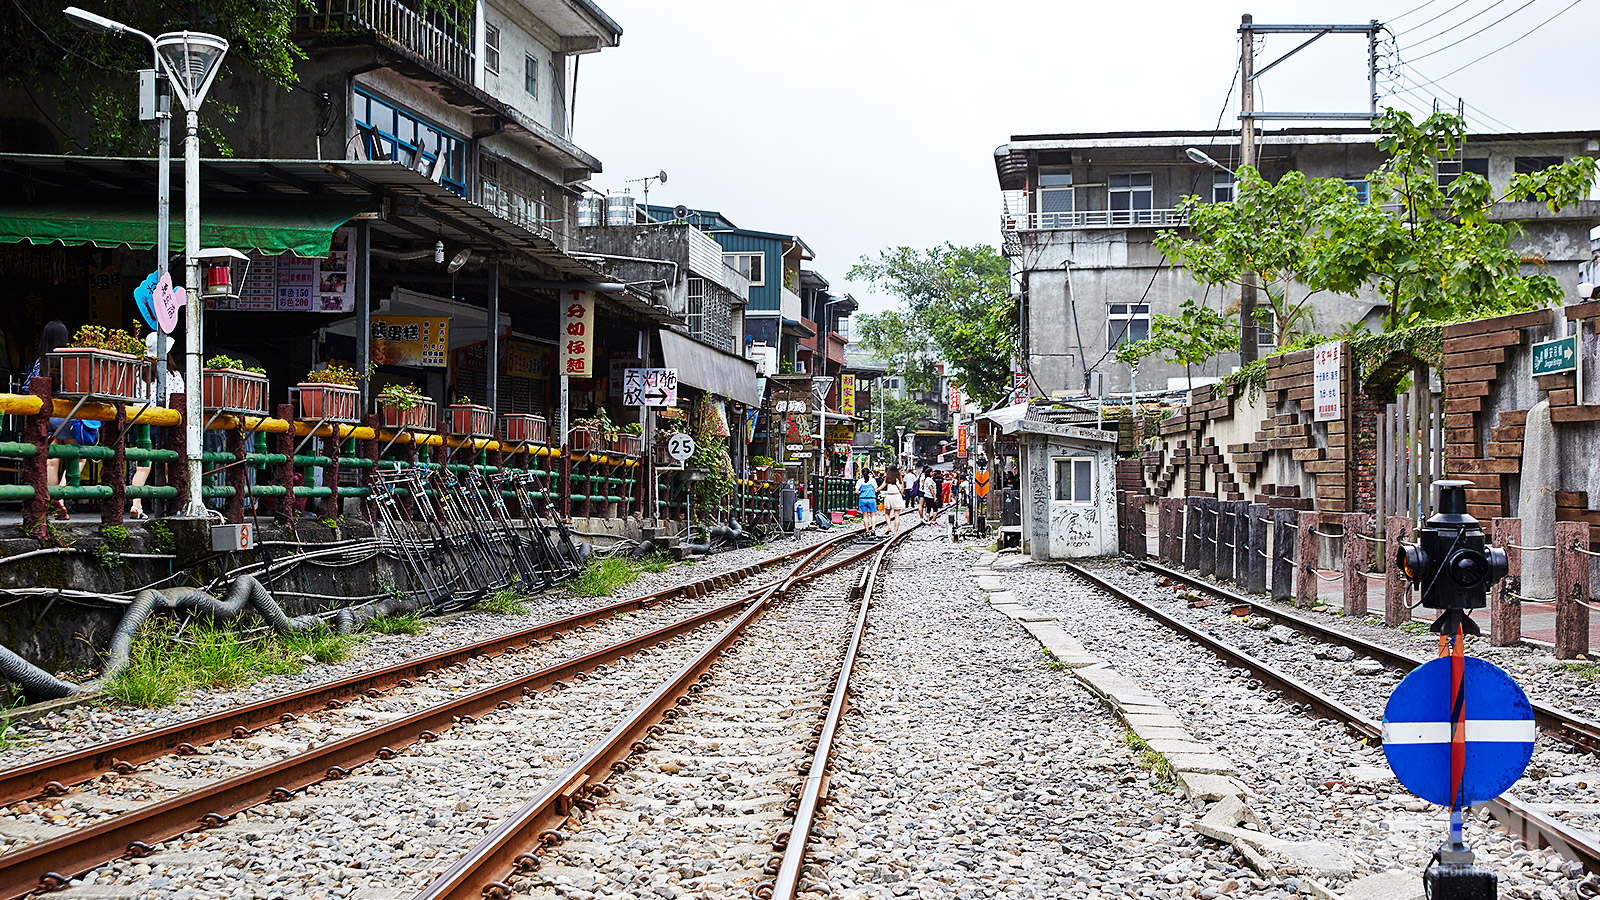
(1537, 829)
(786, 877)
(49, 863)
(1569, 727)
(512, 845)
(55, 774)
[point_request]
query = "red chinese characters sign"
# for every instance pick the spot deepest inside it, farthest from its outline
(576, 334)
(955, 398)
(961, 441)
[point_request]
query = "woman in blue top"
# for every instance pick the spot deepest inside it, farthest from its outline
(867, 501)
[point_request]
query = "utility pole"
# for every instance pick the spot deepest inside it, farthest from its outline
(1247, 155)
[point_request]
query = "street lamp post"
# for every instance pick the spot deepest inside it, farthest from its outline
(1247, 281)
(88, 21)
(192, 60)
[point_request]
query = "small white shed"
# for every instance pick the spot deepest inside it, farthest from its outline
(1069, 487)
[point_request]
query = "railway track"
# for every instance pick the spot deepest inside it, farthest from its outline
(206, 792)
(1526, 821)
(505, 859)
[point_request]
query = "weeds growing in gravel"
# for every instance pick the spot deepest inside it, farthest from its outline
(1415, 626)
(1588, 671)
(602, 577)
(8, 739)
(654, 562)
(506, 602)
(166, 660)
(1164, 777)
(402, 623)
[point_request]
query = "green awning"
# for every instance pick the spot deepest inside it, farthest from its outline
(270, 225)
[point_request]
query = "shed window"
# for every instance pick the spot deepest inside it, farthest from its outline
(530, 76)
(1130, 197)
(748, 265)
(1527, 165)
(1073, 478)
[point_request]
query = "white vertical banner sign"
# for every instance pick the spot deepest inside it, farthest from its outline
(1325, 382)
(577, 334)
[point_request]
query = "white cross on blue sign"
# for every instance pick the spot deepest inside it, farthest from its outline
(1417, 730)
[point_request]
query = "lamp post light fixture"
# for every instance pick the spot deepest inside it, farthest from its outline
(192, 60)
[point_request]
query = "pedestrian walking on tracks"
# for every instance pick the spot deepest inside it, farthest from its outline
(894, 499)
(930, 496)
(867, 501)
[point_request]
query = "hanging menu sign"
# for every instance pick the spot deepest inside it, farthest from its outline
(297, 280)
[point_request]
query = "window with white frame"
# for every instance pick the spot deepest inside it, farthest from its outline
(1072, 480)
(1221, 186)
(1055, 198)
(530, 76)
(491, 48)
(694, 311)
(1266, 326)
(1125, 323)
(747, 264)
(1131, 194)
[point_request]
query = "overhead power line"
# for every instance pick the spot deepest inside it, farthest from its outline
(1414, 9)
(1514, 40)
(1440, 16)
(1469, 37)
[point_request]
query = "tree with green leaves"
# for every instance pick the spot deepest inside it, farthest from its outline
(893, 337)
(901, 412)
(1431, 251)
(960, 299)
(1195, 335)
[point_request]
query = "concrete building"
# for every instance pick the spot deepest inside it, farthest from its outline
(1081, 212)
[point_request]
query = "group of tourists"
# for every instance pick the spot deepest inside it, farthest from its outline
(893, 492)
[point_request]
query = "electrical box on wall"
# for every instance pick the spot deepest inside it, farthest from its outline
(233, 537)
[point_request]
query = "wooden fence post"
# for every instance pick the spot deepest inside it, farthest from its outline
(285, 475)
(1225, 540)
(1240, 510)
(1208, 535)
(1505, 603)
(1305, 595)
(238, 478)
(1137, 542)
(36, 469)
(178, 469)
(115, 472)
(1355, 564)
(1572, 589)
(1192, 518)
(1255, 581)
(1282, 554)
(1396, 589)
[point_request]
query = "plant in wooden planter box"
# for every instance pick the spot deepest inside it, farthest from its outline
(328, 393)
(405, 406)
(525, 428)
(101, 363)
(629, 440)
(229, 385)
(594, 433)
(468, 419)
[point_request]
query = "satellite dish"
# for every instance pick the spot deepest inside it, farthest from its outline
(680, 211)
(459, 260)
(662, 177)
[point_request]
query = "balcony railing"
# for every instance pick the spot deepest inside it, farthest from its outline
(438, 44)
(1093, 218)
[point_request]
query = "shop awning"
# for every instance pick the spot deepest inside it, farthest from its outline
(709, 369)
(270, 225)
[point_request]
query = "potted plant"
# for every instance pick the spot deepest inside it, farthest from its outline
(328, 393)
(102, 363)
(630, 441)
(468, 419)
(663, 433)
(525, 428)
(228, 385)
(405, 406)
(593, 433)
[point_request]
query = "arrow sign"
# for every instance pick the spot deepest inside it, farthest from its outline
(1417, 732)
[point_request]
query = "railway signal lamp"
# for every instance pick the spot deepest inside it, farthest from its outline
(1452, 562)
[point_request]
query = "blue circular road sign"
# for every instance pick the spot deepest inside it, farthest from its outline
(1498, 727)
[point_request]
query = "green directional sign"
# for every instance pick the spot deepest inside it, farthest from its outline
(1554, 357)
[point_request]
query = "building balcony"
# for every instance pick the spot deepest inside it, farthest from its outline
(1093, 218)
(428, 36)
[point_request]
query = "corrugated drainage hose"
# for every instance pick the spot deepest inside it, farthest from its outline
(245, 591)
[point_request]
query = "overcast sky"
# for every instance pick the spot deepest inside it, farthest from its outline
(870, 124)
